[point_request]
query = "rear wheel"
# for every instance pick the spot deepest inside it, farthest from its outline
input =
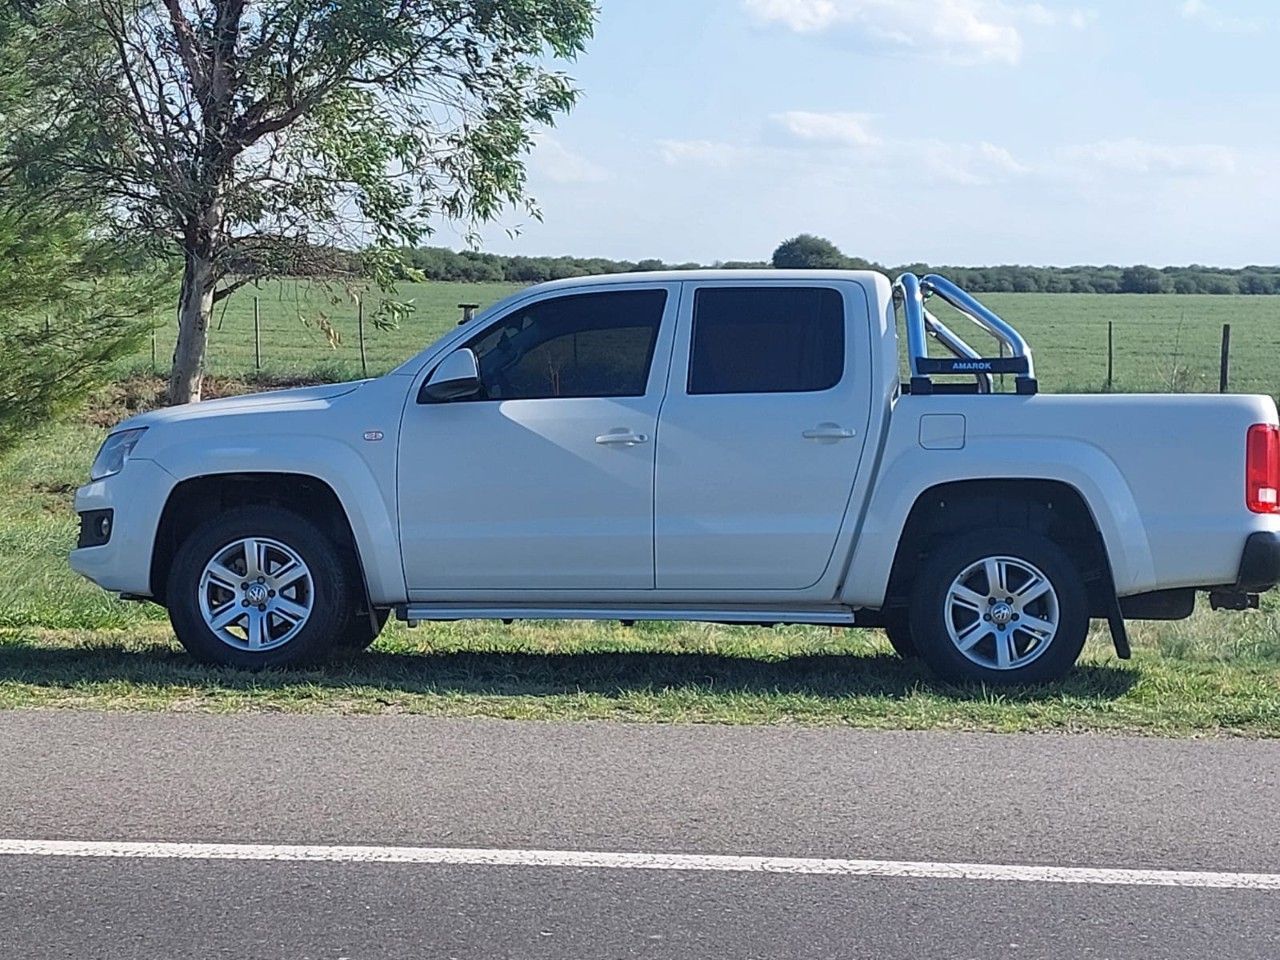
(259, 586)
(1004, 607)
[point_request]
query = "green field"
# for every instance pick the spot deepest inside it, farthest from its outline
(294, 315)
(1162, 342)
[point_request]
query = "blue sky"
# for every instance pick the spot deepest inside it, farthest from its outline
(949, 131)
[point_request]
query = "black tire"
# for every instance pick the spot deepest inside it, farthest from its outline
(332, 596)
(929, 610)
(897, 627)
(360, 632)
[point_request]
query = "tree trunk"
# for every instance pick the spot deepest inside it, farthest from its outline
(195, 310)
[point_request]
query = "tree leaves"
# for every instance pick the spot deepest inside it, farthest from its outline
(212, 124)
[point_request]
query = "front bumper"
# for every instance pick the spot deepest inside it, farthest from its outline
(1260, 563)
(136, 497)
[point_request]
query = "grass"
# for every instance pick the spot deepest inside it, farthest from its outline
(1162, 342)
(65, 643)
(685, 673)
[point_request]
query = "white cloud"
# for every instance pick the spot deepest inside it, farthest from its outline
(552, 161)
(827, 145)
(1213, 18)
(710, 153)
(802, 16)
(960, 31)
(1133, 156)
(967, 164)
(805, 147)
(1039, 15)
(834, 129)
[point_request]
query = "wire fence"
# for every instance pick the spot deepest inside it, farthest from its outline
(295, 329)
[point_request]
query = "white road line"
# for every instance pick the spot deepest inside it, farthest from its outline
(583, 860)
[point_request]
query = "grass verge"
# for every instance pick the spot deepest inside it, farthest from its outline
(650, 673)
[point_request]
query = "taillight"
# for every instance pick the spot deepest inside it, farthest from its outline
(1262, 469)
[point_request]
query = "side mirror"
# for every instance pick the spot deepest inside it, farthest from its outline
(457, 376)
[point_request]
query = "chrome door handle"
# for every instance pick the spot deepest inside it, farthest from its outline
(622, 438)
(829, 433)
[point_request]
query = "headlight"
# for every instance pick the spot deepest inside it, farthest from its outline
(115, 451)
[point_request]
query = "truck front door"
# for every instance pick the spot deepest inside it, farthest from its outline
(543, 480)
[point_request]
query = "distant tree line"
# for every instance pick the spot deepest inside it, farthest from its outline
(1111, 279)
(441, 263)
(810, 252)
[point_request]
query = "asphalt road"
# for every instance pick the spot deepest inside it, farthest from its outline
(399, 781)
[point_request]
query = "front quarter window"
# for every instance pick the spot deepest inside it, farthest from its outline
(114, 453)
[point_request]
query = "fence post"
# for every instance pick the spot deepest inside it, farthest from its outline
(257, 335)
(1224, 369)
(153, 347)
(364, 363)
(1111, 354)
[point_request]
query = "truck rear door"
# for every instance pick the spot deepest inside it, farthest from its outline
(761, 434)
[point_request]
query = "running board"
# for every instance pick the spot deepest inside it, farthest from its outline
(826, 616)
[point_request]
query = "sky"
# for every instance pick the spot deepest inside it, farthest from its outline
(963, 132)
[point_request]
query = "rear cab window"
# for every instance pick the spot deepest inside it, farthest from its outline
(766, 340)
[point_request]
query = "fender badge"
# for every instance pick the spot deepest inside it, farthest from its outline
(373, 435)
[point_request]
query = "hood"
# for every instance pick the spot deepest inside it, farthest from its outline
(297, 398)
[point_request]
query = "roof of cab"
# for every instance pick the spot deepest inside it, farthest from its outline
(677, 276)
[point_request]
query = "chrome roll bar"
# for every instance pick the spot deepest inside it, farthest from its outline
(907, 290)
(911, 292)
(944, 335)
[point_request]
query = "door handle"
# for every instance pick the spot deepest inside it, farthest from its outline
(829, 433)
(622, 437)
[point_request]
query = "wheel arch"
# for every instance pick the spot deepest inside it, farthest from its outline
(910, 474)
(1052, 508)
(196, 498)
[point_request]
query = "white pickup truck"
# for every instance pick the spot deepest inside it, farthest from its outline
(735, 447)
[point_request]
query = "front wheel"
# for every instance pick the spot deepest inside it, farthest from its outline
(258, 586)
(897, 627)
(1004, 607)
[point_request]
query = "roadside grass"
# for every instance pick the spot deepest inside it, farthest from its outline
(685, 673)
(1163, 342)
(38, 527)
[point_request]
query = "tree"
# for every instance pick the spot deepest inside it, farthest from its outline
(73, 299)
(1141, 279)
(1256, 282)
(807, 252)
(70, 307)
(258, 131)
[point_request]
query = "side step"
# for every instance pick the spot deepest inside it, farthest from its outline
(826, 616)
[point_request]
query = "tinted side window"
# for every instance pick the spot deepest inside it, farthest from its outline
(585, 345)
(766, 340)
